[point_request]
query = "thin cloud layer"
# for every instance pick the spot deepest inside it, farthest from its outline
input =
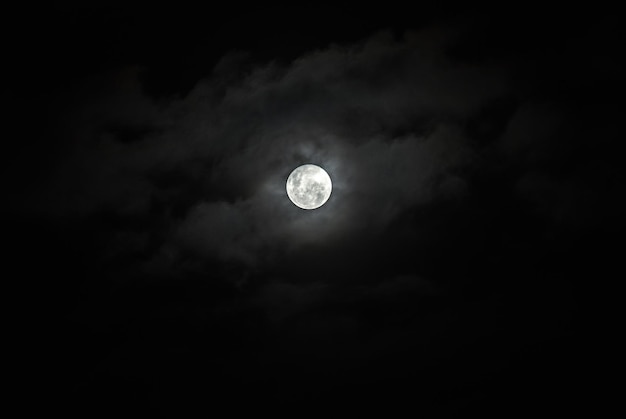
(212, 165)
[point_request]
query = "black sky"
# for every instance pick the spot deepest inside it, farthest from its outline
(453, 270)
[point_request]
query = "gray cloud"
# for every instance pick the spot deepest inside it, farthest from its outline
(231, 131)
(386, 117)
(228, 146)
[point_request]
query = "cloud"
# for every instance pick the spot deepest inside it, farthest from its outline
(384, 117)
(355, 93)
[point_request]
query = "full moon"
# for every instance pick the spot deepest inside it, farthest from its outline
(309, 186)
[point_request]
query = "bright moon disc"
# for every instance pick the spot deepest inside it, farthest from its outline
(309, 186)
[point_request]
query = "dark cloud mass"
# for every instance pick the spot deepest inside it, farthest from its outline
(467, 234)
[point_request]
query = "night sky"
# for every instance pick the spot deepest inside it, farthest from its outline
(455, 269)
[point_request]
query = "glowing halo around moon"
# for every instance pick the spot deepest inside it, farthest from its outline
(309, 186)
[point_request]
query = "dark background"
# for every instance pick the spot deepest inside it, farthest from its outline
(458, 266)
